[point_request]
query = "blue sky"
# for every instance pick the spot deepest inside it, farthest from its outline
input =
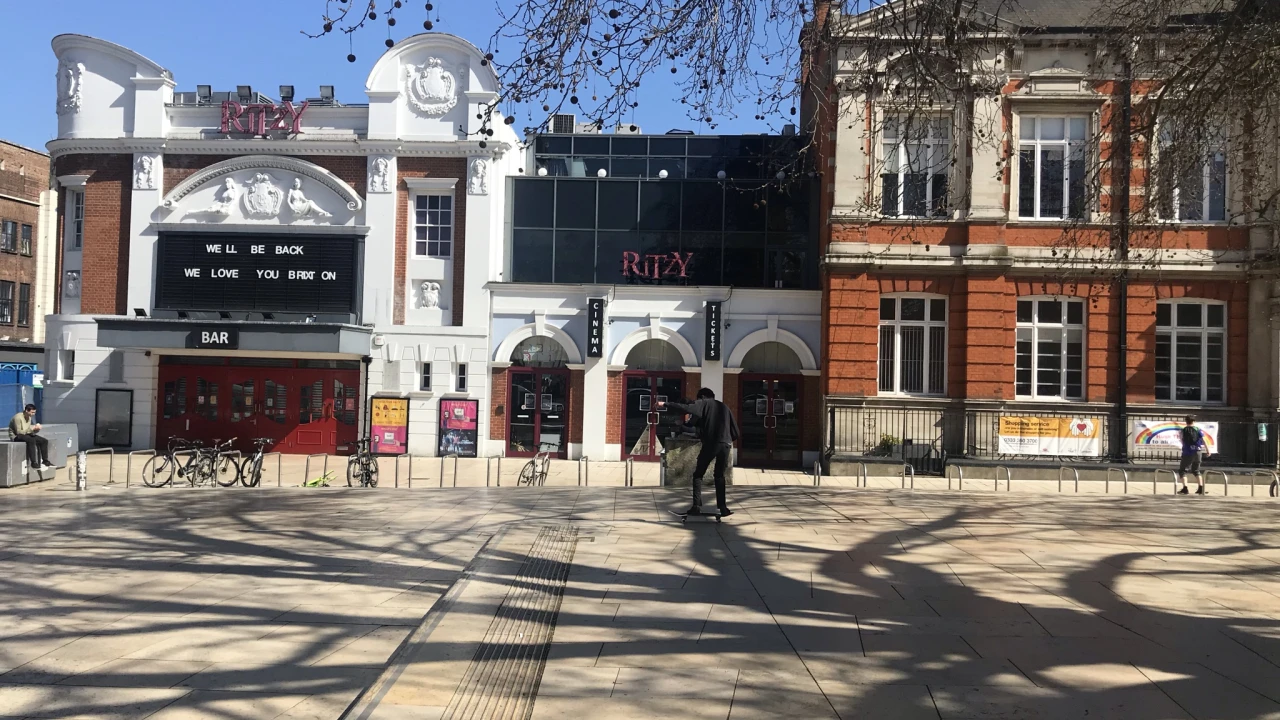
(225, 44)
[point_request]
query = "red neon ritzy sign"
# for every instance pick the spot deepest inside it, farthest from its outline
(656, 267)
(259, 118)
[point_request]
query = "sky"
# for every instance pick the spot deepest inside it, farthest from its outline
(227, 43)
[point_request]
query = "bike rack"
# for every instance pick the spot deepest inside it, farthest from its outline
(306, 470)
(960, 472)
(1155, 479)
(396, 463)
(817, 474)
(1008, 479)
(279, 471)
(629, 478)
(128, 463)
(584, 462)
(498, 477)
(71, 466)
(1124, 472)
(455, 468)
(1074, 473)
(1275, 480)
(907, 468)
(1226, 481)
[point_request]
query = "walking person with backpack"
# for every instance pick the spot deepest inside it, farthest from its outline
(1193, 451)
(717, 430)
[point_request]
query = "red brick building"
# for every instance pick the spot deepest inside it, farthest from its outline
(25, 294)
(971, 275)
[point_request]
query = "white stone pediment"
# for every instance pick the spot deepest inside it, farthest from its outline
(262, 189)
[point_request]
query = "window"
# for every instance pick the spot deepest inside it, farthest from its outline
(425, 383)
(6, 302)
(1049, 359)
(1051, 167)
(1192, 188)
(462, 377)
(433, 225)
(26, 240)
(75, 218)
(9, 236)
(1190, 351)
(24, 304)
(913, 345)
(917, 155)
(67, 365)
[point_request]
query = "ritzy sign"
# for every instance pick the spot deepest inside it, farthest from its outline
(656, 267)
(261, 118)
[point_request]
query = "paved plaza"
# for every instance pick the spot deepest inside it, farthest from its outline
(566, 602)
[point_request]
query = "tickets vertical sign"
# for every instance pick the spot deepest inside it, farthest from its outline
(390, 426)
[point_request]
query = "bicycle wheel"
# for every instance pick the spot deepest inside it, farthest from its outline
(354, 473)
(371, 473)
(251, 472)
(528, 473)
(201, 471)
(228, 471)
(158, 471)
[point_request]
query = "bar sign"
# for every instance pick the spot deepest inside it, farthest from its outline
(711, 344)
(595, 327)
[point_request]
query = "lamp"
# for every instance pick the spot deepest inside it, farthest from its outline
(326, 93)
(182, 314)
(203, 93)
(268, 316)
(286, 93)
(244, 92)
(224, 315)
(139, 312)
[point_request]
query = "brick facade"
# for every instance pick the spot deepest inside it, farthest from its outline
(455, 168)
(105, 255)
(498, 404)
(613, 410)
(576, 399)
(24, 175)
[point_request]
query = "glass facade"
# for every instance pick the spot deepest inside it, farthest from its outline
(633, 226)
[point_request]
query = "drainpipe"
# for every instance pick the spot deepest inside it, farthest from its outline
(368, 416)
(1124, 148)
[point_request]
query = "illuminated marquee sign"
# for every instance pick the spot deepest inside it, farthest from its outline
(262, 118)
(656, 266)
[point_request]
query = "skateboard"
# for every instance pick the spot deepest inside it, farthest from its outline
(685, 516)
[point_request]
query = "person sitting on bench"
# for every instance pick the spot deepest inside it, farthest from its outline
(22, 430)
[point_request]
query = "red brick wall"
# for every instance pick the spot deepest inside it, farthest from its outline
(105, 255)
(498, 405)
(408, 167)
(25, 174)
(576, 399)
(613, 410)
(811, 413)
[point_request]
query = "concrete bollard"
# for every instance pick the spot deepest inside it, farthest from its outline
(82, 470)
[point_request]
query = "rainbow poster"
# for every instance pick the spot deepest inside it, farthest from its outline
(1168, 433)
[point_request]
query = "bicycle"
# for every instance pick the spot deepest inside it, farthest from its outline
(220, 464)
(535, 471)
(251, 468)
(160, 469)
(362, 467)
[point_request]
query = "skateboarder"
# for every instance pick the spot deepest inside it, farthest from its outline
(717, 430)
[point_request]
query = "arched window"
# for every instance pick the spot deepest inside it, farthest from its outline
(913, 344)
(541, 352)
(772, 358)
(655, 355)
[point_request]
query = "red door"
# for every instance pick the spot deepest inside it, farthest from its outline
(644, 426)
(192, 404)
(260, 406)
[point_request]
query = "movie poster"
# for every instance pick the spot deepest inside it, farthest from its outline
(459, 427)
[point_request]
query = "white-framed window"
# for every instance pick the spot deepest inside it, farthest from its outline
(1193, 190)
(66, 365)
(1049, 355)
(462, 378)
(433, 225)
(1052, 153)
(75, 218)
(913, 345)
(917, 156)
(424, 375)
(1191, 359)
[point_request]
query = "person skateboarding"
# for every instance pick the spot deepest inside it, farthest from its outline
(717, 429)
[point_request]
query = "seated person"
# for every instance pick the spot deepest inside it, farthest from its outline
(22, 430)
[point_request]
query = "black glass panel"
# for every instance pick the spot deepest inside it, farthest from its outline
(697, 167)
(660, 206)
(611, 249)
(666, 146)
(745, 262)
(788, 211)
(704, 146)
(630, 146)
(553, 145)
(629, 167)
(704, 265)
(576, 204)
(743, 208)
(531, 254)
(674, 168)
(786, 268)
(702, 206)
(618, 205)
(534, 206)
(598, 145)
(575, 256)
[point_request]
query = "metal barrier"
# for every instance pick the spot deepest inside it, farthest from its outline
(279, 468)
(817, 474)
(111, 462)
(1073, 472)
(455, 468)
(128, 463)
(584, 461)
(1226, 481)
(959, 471)
(907, 468)
(1253, 486)
(629, 478)
(1008, 479)
(1155, 479)
(1124, 472)
(306, 470)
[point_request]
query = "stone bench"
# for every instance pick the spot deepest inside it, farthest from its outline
(63, 444)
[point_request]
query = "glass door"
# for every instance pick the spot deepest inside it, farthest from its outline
(538, 416)
(769, 418)
(644, 425)
(753, 447)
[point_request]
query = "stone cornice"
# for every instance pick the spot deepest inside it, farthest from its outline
(233, 146)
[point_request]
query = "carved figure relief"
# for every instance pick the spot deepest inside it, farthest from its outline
(429, 295)
(70, 75)
(144, 173)
(264, 198)
(223, 200)
(432, 89)
(301, 206)
(478, 184)
(380, 175)
(71, 284)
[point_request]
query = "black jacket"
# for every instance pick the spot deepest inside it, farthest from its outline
(713, 419)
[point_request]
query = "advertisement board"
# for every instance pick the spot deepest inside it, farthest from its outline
(1064, 436)
(459, 423)
(1168, 433)
(389, 434)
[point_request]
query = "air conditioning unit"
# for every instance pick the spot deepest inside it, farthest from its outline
(563, 124)
(587, 128)
(627, 129)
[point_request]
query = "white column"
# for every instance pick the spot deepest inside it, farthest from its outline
(712, 377)
(148, 190)
(480, 232)
(595, 408)
(380, 243)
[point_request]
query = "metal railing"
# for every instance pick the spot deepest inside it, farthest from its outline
(111, 465)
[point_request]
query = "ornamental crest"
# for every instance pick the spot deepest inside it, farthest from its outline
(263, 198)
(69, 79)
(432, 89)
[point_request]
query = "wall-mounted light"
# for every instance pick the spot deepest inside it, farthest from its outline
(286, 93)
(244, 92)
(204, 93)
(721, 175)
(224, 315)
(139, 312)
(601, 172)
(326, 93)
(662, 174)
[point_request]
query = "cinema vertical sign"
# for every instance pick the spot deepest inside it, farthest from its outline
(262, 118)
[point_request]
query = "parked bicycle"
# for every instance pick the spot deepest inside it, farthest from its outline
(251, 468)
(201, 465)
(534, 472)
(362, 468)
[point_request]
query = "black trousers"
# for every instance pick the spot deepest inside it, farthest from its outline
(37, 449)
(719, 454)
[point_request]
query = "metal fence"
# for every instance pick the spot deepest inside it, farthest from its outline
(925, 437)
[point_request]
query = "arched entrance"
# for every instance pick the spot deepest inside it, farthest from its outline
(538, 398)
(771, 390)
(654, 375)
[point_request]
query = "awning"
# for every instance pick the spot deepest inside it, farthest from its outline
(261, 336)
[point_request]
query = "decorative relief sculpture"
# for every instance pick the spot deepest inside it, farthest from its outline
(429, 295)
(69, 81)
(380, 175)
(301, 206)
(264, 198)
(144, 173)
(71, 284)
(431, 88)
(223, 200)
(479, 182)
